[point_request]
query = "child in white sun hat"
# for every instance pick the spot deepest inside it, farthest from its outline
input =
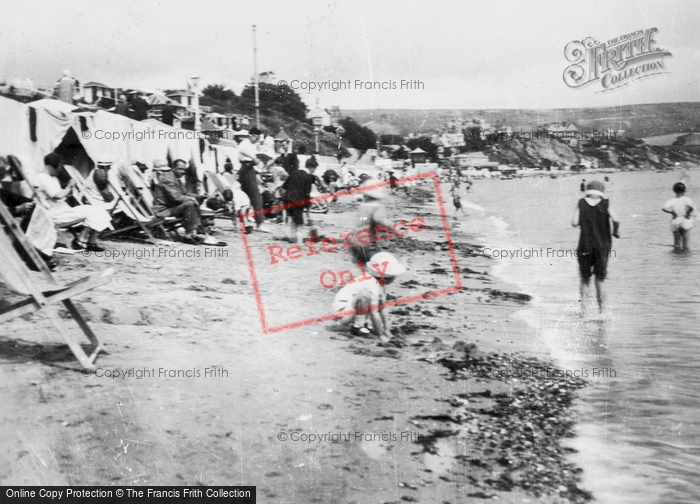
(368, 296)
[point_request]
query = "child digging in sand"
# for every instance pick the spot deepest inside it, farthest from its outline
(681, 209)
(368, 295)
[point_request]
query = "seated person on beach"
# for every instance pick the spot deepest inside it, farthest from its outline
(97, 186)
(363, 294)
(22, 209)
(594, 215)
(95, 219)
(143, 178)
(19, 206)
(330, 178)
(347, 178)
(681, 209)
(100, 192)
(171, 200)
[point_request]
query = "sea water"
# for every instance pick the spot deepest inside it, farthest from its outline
(638, 437)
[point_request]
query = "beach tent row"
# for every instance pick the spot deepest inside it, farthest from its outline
(30, 131)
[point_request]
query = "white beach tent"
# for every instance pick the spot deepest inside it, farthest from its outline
(31, 131)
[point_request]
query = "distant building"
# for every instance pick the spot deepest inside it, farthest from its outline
(452, 140)
(319, 112)
(560, 127)
(335, 114)
(22, 83)
(223, 121)
(243, 121)
(156, 104)
(205, 124)
(475, 159)
(184, 98)
(564, 132)
(97, 93)
(382, 128)
(23, 87)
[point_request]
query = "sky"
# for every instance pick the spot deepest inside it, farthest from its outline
(466, 54)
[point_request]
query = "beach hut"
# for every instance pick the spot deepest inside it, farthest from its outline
(184, 98)
(221, 120)
(418, 155)
(95, 92)
(205, 124)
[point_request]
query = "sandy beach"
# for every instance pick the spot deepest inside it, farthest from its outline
(310, 414)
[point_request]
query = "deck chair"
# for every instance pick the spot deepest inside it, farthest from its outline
(42, 291)
(137, 185)
(241, 203)
(219, 188)
(142, 217)
(120, 204)
(23, 178)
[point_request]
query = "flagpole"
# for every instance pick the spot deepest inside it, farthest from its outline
(255, 69)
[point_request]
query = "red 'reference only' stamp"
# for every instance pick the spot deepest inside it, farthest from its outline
(325, 262)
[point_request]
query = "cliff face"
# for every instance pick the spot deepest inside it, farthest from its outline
(620, 153)
(533, 153)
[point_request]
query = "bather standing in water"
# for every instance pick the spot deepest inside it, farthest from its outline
(593, 215)
(681, 209)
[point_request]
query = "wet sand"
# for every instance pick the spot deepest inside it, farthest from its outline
(424, 422)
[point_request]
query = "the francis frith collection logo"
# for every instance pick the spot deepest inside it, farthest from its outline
(615, 63)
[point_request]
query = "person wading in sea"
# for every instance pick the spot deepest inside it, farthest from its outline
(593, 215)
(681, 209)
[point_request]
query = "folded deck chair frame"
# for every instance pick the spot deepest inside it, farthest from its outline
(44, 292)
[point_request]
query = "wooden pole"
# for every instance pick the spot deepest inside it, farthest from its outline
(255, 69)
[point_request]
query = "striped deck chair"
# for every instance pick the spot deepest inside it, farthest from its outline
(41, 290)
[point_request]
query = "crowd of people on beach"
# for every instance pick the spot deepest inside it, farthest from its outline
(272, 184)
(290, 187)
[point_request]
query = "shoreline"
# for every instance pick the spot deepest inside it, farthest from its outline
(310, 380)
